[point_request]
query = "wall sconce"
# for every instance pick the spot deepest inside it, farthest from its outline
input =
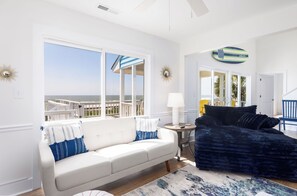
(7, 73)
(166, 73)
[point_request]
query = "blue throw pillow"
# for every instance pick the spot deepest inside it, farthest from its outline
(144, 135)
(270, 122)
(235, 113)
(251, 121)
(146, 128)
(68, 148)
(65, 140)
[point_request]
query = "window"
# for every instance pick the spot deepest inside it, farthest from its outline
(238, 90)
(124, 85)
(76, 88)
(219, 88)
(213, 87)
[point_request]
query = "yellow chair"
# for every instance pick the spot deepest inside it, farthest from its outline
(233, 103)
(203, 102)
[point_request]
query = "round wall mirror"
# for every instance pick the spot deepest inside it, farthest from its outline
(7, 73)
(166, 74)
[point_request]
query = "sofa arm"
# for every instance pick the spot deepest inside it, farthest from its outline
(47, 169)
(168, 135)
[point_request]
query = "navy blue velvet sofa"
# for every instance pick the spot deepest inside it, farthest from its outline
(225, 141)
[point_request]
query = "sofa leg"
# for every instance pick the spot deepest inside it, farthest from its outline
(167, 166)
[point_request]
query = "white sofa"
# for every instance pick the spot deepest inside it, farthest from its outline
(113, 154)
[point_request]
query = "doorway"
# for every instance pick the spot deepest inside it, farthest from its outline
(212, 88)
(223, 88)
(266, 94)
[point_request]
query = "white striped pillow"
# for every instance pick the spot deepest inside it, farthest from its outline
(65, 140)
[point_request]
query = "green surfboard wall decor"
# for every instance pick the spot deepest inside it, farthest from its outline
(230, 55)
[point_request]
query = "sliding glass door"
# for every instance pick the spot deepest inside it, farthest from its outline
(221, 88)
(212, 88)
(238, 93)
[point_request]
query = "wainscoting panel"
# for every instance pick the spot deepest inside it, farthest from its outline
(191, 116)
(165, 117)
(186, 116)
(16, 152)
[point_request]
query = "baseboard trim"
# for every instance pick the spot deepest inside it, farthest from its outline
(16, 187)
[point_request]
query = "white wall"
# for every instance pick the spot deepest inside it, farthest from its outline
(277, 54)
(242, 30)
(236, 33)
(20, 114)
(195, 61)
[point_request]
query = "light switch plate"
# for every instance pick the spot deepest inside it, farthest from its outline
(18, 94)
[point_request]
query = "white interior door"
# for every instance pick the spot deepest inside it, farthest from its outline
(266, 94)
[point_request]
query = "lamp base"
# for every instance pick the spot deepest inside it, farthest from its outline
(175, 119)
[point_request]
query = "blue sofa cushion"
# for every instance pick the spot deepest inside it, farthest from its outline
(217, 112)
(235, 113)
(208, 121)
(270, 122)
(251, 121)
(228, 115)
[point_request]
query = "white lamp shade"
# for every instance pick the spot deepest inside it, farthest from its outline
(175, 100)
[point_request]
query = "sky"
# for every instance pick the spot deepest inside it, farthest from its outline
(75, 71)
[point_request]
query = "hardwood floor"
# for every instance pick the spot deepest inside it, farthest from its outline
(138, 179)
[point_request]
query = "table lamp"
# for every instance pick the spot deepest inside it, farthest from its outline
(175, 100)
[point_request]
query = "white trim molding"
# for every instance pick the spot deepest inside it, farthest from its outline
(14, 128)
(16, 168)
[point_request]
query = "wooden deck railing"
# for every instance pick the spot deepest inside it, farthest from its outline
(60, 109)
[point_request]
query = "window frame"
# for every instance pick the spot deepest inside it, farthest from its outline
(228, 83)
(103, 50)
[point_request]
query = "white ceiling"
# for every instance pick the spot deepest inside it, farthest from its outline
(176, 23)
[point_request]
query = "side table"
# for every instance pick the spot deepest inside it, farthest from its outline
(182, 127)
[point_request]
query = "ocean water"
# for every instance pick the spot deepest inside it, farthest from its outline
(81, 98)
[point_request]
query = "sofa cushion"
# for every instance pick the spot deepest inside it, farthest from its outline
(65, 140)
(270, 122)
(251, 121)
(107, 132)
(217, 112)
(123, 156)
(80, 169)
(235, 113)
(208, 121)
(228, 115)
(154, 147)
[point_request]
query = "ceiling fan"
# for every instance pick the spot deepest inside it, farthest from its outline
(197, 6)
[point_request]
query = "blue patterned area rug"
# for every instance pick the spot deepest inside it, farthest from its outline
(189, 180)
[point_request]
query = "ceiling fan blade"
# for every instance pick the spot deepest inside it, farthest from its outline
(144, 5)
(198, 7)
